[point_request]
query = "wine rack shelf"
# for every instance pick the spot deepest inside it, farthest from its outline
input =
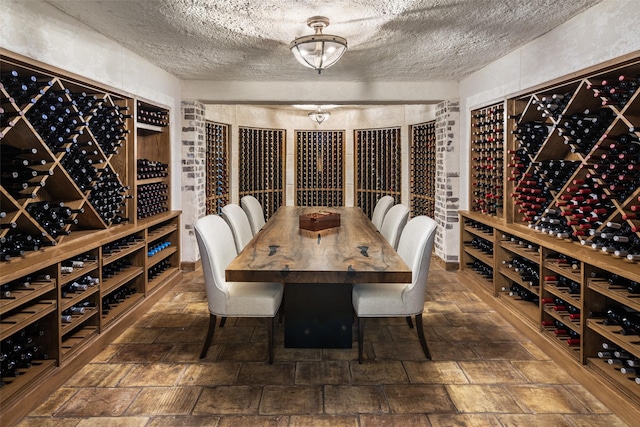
(487, 160)
(217, 180)
(423, 169)
(153, 158)
(377, 166)
(85, 187)
(319, 168)
(262, 166)
(559, 295)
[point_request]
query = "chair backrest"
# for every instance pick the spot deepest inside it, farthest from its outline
(415, 247)
(393, 224)
(381, 209)
(253, 209)
(239, 223)
(217, 250)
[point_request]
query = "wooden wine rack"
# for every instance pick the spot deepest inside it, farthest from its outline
(217, 185)
(522, 230)
(262, 166)
(90, 235)
(423, 169)
(377, 166)
(319, 168)
(487, 151)
(153, 139)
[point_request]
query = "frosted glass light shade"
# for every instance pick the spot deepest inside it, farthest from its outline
(318, 51)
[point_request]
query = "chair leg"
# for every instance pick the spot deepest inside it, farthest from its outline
(423, 341)
(360, 338)
(271, 324)
(409, 322)
(223, 320)
(281, 310)
(210, 330)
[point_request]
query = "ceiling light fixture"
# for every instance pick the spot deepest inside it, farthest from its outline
(319, 115)
(318, 51)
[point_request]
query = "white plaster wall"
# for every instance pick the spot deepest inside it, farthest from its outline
(39, 31)
(343, 118)
(606, 31)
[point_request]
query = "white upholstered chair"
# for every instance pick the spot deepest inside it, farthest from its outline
(253, 209)
(239, 223)
(400, 299)
(231, 299)
(394, 222)
(381, 209)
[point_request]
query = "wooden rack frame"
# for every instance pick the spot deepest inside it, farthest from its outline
(114, 146)
(487, 154)
(262, 166)
(514, 232)
(217, 167)
(319, 168)
(422, 176)
(377, 166)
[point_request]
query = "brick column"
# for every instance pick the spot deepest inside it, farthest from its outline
(193, 177)
(448, 182)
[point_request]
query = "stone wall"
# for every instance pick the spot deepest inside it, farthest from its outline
(448, 150)
(193, 189)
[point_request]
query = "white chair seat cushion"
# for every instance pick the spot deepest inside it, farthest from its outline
(379, 299)
(253, 299)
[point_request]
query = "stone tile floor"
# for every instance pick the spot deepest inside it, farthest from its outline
(483, 373)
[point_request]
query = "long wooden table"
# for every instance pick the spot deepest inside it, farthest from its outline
(318, 268)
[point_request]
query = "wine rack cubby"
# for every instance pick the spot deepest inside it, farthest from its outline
(262, 166)
(163, 255)
(580, 179)
(153, 158)
(477, 251)
(80, 167)
(423, 169)
(377, 166)
(217, 180)
(319, 168)
(555, 289)
(487, 160)
(64, 146)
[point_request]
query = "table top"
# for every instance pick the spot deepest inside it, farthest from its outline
(354, 252)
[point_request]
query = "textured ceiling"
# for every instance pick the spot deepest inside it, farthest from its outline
(389, 40)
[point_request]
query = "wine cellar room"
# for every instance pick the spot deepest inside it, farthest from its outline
(527, 162)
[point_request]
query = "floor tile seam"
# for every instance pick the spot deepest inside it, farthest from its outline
(195, 401)
(451, 402)
(509, 388)
(584, 404)
(128, 406)
(60, 404)
(188, 413)
(523, 378)
(505, 391)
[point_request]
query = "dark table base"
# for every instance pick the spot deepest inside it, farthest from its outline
(318, 315)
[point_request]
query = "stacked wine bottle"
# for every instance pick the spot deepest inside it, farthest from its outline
(262, 172)
(151, 115)
(320, 168)
(423, 169)
(217, 164)
(576, 163)
(378, 171)
(487, 150)
(19, 351)
(64, 137)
